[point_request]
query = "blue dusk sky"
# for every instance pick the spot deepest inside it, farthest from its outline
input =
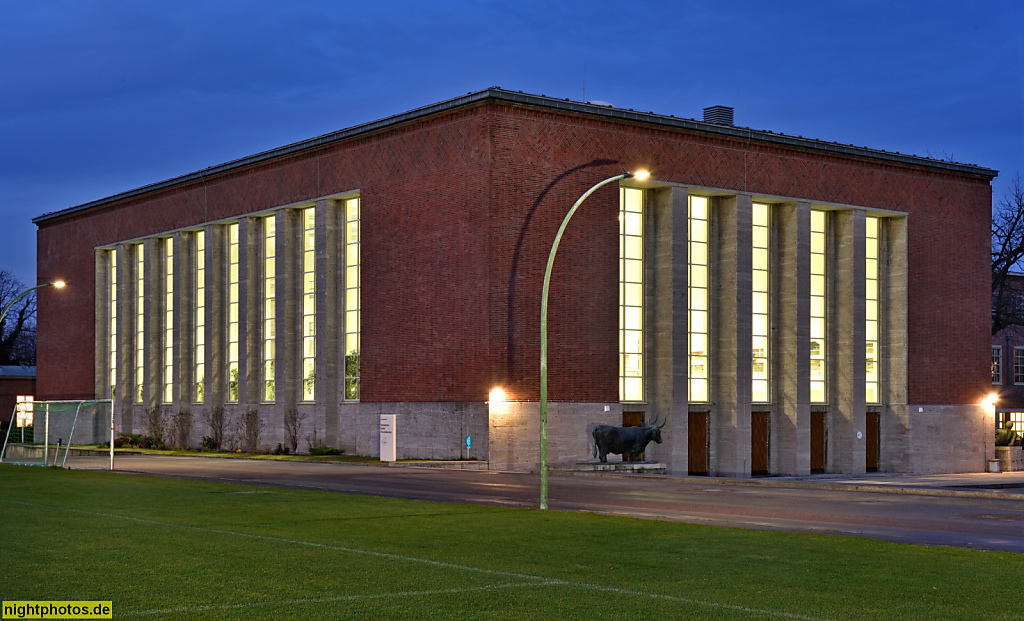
(102, 96)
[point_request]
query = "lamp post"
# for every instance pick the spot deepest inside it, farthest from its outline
(57, 283)
(639, 175)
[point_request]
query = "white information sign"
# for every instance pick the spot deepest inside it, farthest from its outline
(387, 437)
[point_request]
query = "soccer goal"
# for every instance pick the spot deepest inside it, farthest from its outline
(70, 434)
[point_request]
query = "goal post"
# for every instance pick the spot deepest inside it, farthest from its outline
(70, 434)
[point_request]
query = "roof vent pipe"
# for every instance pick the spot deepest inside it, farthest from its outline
(719, 115)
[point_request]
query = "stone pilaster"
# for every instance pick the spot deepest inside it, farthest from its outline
(215, 384)
(731, 325)
(667, 313)
(329, 360)
(791, 453)
(154, 320)
(125, 399)
(846, 385)
(101, 325)
(250, 301)
(184, 317)
(288, 303)
(894, 449)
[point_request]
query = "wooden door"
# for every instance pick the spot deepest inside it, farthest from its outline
(817, 442)
(632, 419)
(871, 441)
(758, 443)
(698, 444)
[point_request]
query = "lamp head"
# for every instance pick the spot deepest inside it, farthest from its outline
(58, 283)
(641, 175)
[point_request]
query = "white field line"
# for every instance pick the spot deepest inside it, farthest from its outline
(326, 600)
(529, 580)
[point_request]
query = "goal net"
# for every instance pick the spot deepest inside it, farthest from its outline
(70, 434)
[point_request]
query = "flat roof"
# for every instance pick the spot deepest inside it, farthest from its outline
(500, 94)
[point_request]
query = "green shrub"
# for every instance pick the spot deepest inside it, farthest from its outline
(324, 450)
(209, 444)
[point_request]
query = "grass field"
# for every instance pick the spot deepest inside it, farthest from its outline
(176, 549)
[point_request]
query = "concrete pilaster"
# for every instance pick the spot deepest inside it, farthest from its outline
(125, 399)
(154, 320)
(894, 449)
(667, 317)
(250, 301)
(214, 384)
(329, 363)
(732, 323)
(287, 303)
(846, 449)
(101, 325)
(791, 429)
(184, 312)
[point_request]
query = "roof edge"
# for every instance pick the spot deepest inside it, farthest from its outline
(500, 94)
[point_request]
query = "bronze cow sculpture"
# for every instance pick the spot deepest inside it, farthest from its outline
(620, 440)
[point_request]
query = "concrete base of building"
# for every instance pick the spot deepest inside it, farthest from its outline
(914, 439)
(948, 438)
(1011, 458)
(515, 433)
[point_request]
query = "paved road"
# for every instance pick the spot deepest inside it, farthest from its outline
(993, 523)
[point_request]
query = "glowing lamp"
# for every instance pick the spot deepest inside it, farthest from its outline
(496, 400)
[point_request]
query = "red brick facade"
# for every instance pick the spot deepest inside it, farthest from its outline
(459, 209)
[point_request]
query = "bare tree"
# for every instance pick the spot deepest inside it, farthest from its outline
(214, 418)
(1007, 257)
(18, 329)
(292, 425)
(250, 426)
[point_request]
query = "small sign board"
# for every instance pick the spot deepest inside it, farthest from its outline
(388, 446)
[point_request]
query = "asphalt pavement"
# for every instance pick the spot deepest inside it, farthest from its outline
(978, 510)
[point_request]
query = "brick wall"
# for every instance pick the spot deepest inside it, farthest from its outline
(459, 211)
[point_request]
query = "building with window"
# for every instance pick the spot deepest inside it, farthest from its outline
(1008, 365)
(17, 390)
(787, 305)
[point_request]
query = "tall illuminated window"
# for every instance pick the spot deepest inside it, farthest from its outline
(168, 384)
(308, 303)
(871, 310)
(352, 303)
(199, 363)
(760, 387)
(140, 322)
(818, 318)
(697, 296)
(233, 306)
(113, 323)
(631, 294)
(269, 309)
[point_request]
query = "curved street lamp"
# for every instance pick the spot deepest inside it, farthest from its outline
(640, 175)
(57, 283)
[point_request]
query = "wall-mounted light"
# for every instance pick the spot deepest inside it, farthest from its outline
(496, 401)
(990, 401)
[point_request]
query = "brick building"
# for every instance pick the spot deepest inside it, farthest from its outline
(788, 305)
(17, 386)
(1008, 365)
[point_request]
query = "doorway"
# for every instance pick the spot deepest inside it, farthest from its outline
(871, 433)
(758, 443)
(818, 443)
(632, 419)
(697, 451)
